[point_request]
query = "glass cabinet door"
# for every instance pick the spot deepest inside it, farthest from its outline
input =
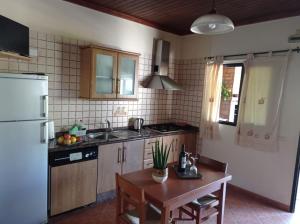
(127, 76)
(105, 74)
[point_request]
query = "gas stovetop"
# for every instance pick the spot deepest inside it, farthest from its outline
(165, 128)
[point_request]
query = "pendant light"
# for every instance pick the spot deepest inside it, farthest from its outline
(212, 23)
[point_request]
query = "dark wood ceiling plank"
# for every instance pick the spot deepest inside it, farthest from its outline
(172, 10)
(122, 15)
(176, 16)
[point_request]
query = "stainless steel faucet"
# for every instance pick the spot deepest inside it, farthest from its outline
(109, 128)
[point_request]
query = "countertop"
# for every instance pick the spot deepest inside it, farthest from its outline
(123, 134)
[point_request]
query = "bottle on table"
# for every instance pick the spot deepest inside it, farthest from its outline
(182, 159)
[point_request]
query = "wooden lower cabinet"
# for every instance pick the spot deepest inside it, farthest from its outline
(148, 163)
(69, 188)
(188, 139)
(118, 158)
(113, 158)
(149, 143)
(109, 163)
(133, 156)
(170, 141)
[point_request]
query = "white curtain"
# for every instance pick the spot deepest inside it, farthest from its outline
(209, 127)
(259, 112)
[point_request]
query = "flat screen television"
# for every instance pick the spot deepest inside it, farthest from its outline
(14, 37)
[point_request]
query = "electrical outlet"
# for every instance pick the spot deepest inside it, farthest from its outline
(120, 111)
(33, 52)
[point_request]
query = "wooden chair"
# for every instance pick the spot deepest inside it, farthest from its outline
(203, 208)
(131, 205)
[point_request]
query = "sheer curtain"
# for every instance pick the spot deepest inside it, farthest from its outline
(259, 112)
(209, 127)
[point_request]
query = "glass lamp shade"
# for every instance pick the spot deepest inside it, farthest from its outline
(211, 24)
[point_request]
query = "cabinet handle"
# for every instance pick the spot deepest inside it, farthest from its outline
(118, 86)
(45, 106)
(119, 154)
(113, 84)
(44, 139)
(124, 154)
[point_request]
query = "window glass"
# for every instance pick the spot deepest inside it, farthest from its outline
(127, 76)
(230, 94)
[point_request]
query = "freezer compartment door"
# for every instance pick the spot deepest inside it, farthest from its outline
(23, 172)
(23, 99)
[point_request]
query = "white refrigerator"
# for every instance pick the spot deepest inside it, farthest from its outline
(23, 148)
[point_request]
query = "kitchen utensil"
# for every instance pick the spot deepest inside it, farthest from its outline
(138, 124)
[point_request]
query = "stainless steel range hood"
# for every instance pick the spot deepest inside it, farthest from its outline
(159, 78)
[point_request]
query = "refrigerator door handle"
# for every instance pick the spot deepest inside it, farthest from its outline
(45, 106)
(44, 138)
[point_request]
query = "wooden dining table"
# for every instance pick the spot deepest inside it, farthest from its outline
(176, 192)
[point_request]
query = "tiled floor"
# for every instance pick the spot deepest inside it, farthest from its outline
(240, 209)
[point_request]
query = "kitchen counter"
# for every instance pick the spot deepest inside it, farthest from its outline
(123, 134)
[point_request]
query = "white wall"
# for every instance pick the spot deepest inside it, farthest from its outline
(267, 174)
(66, 19)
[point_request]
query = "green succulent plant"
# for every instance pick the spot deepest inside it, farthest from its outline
(160, 154)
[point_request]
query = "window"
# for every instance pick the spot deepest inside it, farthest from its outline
(230, 95)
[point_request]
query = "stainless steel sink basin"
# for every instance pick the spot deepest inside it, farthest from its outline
(102, 136)
(106, 137)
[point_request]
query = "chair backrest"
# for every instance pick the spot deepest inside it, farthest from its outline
(214, 164)
(129, 194)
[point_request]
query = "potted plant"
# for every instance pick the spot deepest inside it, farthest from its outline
(160, 155)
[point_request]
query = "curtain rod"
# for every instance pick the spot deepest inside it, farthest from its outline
(258, 53)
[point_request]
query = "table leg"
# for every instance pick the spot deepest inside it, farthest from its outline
(165, 213)
(221, 207)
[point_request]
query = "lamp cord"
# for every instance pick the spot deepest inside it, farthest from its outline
(213, 8)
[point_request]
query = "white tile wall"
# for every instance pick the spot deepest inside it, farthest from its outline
(186, 105)
(59, 58)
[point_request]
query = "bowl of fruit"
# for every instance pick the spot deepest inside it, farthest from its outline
(68, 139)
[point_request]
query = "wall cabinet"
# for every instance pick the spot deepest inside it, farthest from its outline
(108, 74)
(118, 158)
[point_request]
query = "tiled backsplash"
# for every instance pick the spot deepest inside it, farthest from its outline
(186, 106)
(59, 58)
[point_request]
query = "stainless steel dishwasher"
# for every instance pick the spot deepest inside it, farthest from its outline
(73, 179)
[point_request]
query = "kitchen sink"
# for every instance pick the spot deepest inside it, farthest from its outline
(114, 135)
(102, 136)
(106, 137)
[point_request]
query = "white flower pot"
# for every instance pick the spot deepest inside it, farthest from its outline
(160, 176)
